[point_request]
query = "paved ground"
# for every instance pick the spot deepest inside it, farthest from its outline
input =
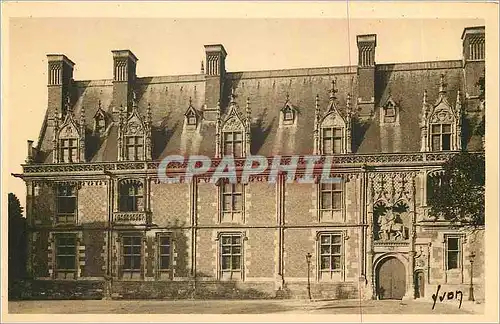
(239, 307)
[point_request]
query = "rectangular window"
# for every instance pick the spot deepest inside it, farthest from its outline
(164, 254)
(69, 150)
(233, 143)
(232, 201)
(332, 140)
(331, 196)
(66, 256)
(330, 248)
(134, 148)
(66, 204)
(453, 252)
(131, 197)
(132, 253)
(230, 256)
(441, 137)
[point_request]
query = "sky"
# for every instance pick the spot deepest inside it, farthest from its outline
(167, 46)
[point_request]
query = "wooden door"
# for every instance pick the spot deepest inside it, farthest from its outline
(391, 279)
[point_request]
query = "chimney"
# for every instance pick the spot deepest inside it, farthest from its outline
(474, 51)
(30, 158)
(366, 73)
(124, 75)
(215, 70)
(60, 76)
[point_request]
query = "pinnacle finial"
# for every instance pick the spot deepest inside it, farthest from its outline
(190, 101)
(425, 97)
(233, 96)
(68, 102)
(202, 67)
(287, 97)
(134, 98)
(99, 104)
(442, 85)
(333, 90)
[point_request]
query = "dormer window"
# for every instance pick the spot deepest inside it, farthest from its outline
(100, 126)
(333, 130)
(99, 121)
(233, 144)
(69, 150)
(441, 125)
(191, 119)
(191, 116)
(134, 148)
(389, 113)
(332, 140)
(441, 137)
(288, 114)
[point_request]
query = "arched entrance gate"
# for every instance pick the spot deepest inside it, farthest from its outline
(390, 279)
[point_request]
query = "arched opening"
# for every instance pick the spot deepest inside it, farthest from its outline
(419, 284)
(390, 279)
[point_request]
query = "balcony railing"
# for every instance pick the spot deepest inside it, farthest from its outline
(131, 218)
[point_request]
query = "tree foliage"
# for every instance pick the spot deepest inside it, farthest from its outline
(17, 238)
(459, 197)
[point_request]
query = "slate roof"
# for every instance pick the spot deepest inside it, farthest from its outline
(267, 90)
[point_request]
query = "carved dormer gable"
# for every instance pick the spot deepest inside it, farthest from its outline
(389, 112)
(135, 135)
(100, 121)
(234, 131)
(192, 117)
(70, 138)
(334, 128)
(288, 113)
(441, 123)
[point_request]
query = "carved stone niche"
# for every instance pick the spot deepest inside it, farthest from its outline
(391, 222)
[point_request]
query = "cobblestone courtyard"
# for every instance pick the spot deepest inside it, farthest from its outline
(241, 307)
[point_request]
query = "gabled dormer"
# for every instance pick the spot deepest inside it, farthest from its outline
(233, 131)
(134, 134)
(288, 113)
(333, 131)
(192, 117)
(69, 136)
(441, 124)
(389, 112)
(100, 121)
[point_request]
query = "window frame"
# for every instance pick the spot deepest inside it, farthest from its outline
(232, 143)
(331, 273)
(330, 214)
(234, 273)
(440, 135)
(334, 138)
(458, 251)
(232, 214)
(160, 271)
(69, 273)
(137, 144)
(131, 203)
(69, 145)
(128, 273)
(66, 215)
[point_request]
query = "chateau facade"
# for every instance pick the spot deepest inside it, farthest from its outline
(97, 209)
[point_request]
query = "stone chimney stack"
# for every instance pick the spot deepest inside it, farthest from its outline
(30, 156)
(215, 70)
(366, 73)
(60, 77)
(124, 75)
(474, 53)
